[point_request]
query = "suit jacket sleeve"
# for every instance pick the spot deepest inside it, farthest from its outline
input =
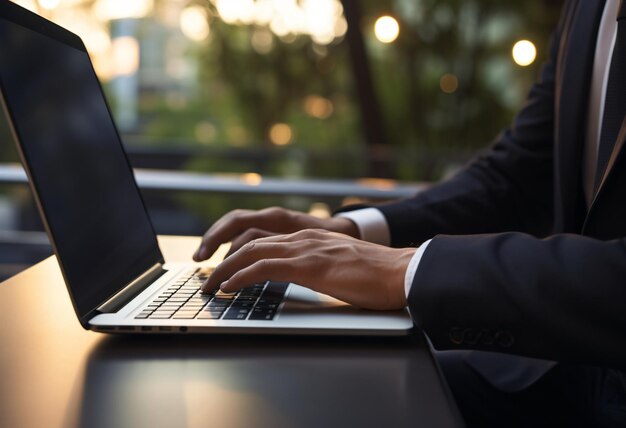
(560, 298)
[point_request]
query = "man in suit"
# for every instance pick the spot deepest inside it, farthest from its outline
(517, 262)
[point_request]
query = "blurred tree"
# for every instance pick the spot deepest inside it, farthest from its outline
(446, 86)
(428, 120)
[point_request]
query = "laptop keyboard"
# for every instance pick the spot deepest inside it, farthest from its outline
(183, 300)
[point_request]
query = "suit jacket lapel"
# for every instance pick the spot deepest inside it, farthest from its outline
(572, 108)
(604, 220)
(615, 156)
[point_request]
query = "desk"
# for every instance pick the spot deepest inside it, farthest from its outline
(55, 374)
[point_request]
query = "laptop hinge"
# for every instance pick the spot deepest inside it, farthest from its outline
(131, 290)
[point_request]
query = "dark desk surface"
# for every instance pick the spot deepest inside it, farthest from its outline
(55, 374)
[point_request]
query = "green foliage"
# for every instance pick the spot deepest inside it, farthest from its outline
(242, 92)
(239, 91)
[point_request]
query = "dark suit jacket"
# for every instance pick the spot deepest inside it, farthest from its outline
(540, 275)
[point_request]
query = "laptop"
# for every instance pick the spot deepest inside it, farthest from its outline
(97, 221)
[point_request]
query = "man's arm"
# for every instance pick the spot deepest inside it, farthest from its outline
(358, 272)
(560, 298)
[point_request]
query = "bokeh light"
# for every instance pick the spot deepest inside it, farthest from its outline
(49, 4)
(194, 23)
(449, 83)
(121, 9)
(320, 210)
(386, 29)
(262, 40)
(322, 20)
(524, 53)
(281, 134)
(252, 178)
(318, 107)
(125, 56)
(205, 132)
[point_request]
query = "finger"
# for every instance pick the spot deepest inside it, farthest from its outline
(300, 236)
(263, 270)
(237, 222)
(247, 255)
(222, 231)
(305, 238)
(247, 236)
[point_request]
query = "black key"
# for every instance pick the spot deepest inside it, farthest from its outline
(264, 301)
(182, 292)
(193, 306)
(262, 314)
(247, 298)
(234, 316)
(168, 305)
(242, 304)
(275, 289)
(183, 309)
(268, 306)
(198, 301)
(184, 316)
(214, 309)
(165, 311)
(143, 315)
(209, 315)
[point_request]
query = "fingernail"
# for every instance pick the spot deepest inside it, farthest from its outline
(224, 286)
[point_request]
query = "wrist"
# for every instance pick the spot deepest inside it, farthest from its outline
(346, 226)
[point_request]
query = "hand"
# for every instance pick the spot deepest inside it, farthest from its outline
(242, 226)
(357, 272)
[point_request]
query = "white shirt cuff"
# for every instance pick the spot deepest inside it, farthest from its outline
(372, 225)
(412, 268)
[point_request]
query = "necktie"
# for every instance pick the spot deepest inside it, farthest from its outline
(615, 101)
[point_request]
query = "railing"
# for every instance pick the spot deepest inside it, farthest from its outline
(19, 249)
(374, 189)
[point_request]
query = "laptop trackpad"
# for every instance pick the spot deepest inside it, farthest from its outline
(301, 299)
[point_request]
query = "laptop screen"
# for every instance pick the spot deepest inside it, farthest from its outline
(100, 228)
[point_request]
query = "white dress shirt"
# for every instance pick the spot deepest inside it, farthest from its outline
(371, 222)
(599, 81)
